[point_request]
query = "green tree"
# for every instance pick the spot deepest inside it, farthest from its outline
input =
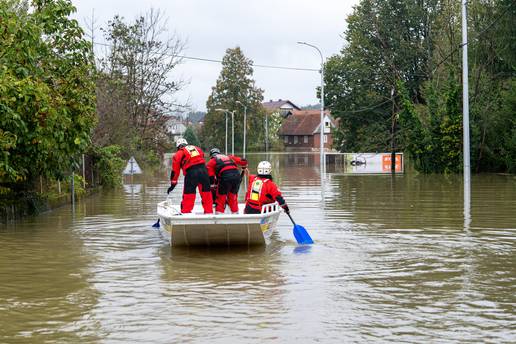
(47, 90)
(388, 41)
(234, 89)
(492, 72)
(413, 50)
(191, 137)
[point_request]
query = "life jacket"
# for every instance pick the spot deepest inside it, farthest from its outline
(256, 197)
(191, 156)
(224, 163)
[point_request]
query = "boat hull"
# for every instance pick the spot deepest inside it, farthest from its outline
(197, 229)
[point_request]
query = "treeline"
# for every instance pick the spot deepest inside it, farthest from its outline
(47, 92)
(397, 82)
(59, 103)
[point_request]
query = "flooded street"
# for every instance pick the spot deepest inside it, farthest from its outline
(392, 261)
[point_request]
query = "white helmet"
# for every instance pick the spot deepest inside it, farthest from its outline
(181, 142)
(264, 168)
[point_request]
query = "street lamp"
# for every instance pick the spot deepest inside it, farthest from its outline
(321, 137)
(226, 113)
(245, 124)
(232, 130)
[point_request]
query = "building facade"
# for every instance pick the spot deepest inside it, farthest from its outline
(300, 131)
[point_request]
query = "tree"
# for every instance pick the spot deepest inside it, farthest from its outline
(191, 137)
(492, 75)
(234, 85)
(137, 70)
(388, 41)
(47, 90)
(401, 72)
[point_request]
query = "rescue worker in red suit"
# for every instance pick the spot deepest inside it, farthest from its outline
(223, 172)
(190, 159)
(262, 190)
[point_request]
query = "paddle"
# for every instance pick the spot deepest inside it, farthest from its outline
(169, 190)
(300, 233)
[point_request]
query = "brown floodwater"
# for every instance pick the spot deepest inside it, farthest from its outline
(394, 260)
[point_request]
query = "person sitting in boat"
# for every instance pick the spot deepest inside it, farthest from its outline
(191, 159)
(262, 190)
(225, 179)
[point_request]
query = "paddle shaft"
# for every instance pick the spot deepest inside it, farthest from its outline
(291, 219)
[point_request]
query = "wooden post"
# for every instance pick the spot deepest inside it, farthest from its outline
(83, 173)
(73, 189)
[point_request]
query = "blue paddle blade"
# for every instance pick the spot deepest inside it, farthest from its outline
(302, 235)
(156, 225)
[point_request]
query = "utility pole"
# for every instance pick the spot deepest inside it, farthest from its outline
(465, 118)
(465, 94)
(393, 134)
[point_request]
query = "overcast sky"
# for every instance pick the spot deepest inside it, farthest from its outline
(266, 30)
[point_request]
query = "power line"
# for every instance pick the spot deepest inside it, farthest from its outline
(367, 108)
(473, 39)
(220, 61)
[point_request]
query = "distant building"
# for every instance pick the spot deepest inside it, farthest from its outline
(175, 127)
(301, 130)
(282, 107)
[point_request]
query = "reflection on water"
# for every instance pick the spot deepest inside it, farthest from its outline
(392, 262)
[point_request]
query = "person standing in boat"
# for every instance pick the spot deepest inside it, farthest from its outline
(190, 159)
(262, 190)
(225, 178)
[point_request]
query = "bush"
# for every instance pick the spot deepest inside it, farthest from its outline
(109, 165)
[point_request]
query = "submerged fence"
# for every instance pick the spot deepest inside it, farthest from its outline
(48, 193)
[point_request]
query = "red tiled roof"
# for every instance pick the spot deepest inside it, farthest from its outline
(302, 122)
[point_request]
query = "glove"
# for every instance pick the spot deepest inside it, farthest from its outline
(285, 208)
(171, 187)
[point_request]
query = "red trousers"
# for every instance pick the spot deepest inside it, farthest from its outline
(227, 191)
(197, 178)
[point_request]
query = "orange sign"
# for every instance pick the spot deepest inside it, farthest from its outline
(386, 163)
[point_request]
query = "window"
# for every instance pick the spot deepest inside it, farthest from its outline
(285, 139)
(295, 140)
(325, 138)
(327, 124)
(305, 139)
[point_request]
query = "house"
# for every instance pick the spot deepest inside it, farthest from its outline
(175, 127)
(300, 131)
(283, 107)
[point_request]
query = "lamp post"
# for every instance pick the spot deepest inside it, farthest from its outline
(321, 137)
(266, 135)
(232, 132)
(465, 118)
(226, 113)
(245, 125)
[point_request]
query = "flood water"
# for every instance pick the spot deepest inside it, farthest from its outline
(393, 261)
